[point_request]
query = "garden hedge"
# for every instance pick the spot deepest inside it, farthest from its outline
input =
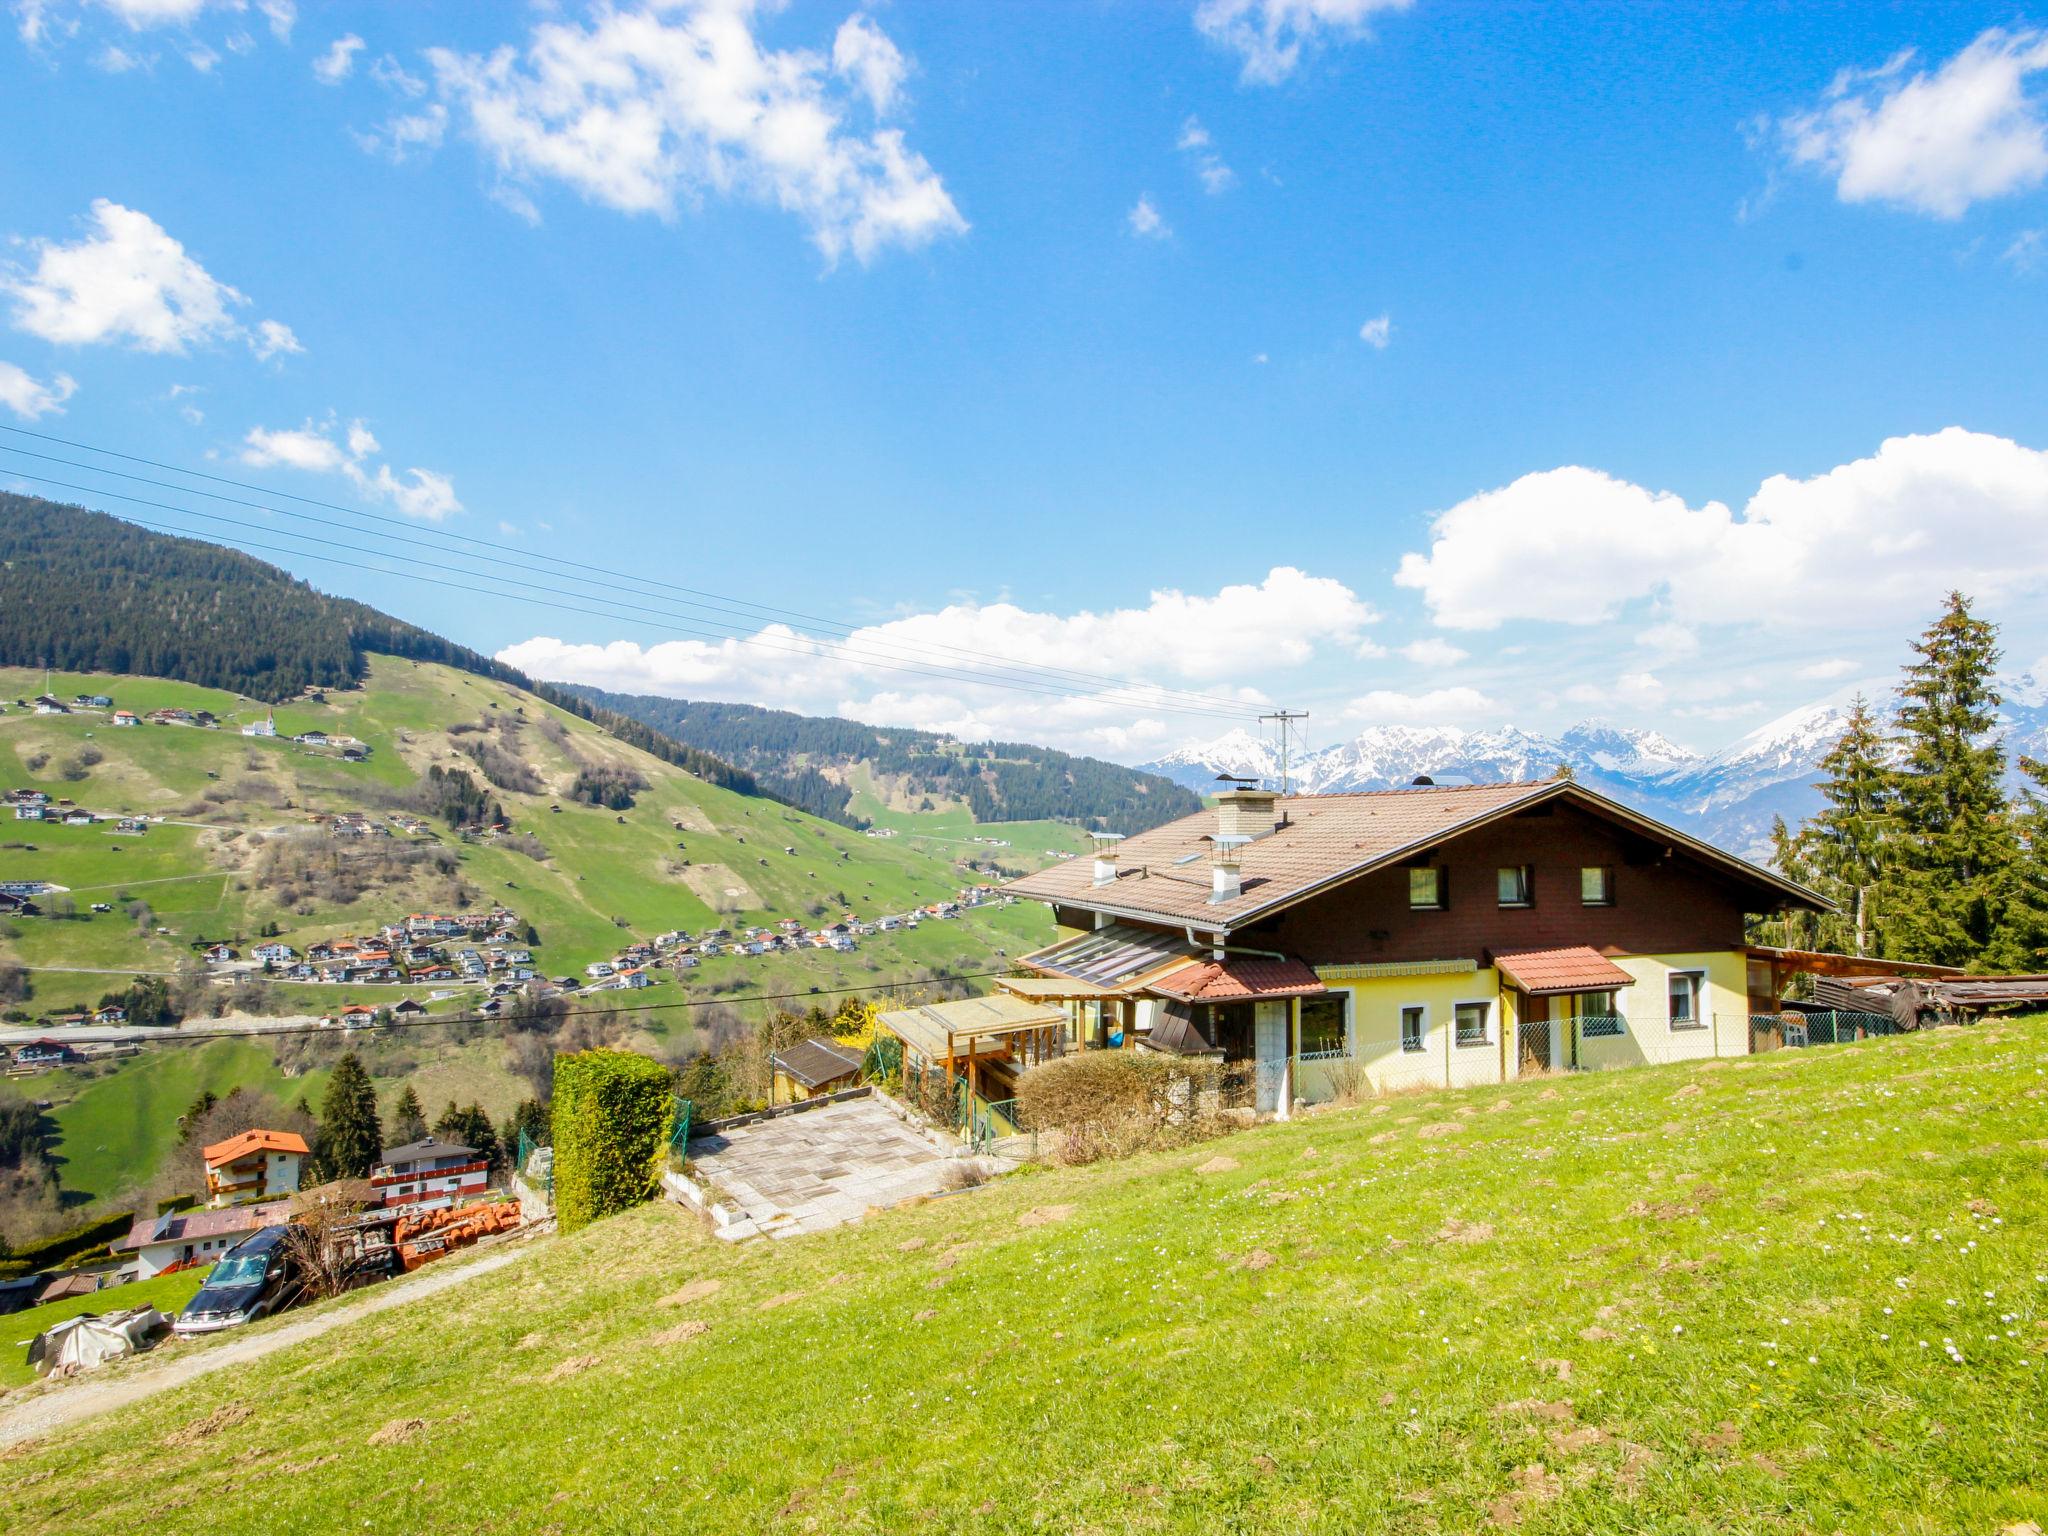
(614, 1113)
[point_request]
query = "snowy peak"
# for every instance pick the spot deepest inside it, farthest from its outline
(1237, 752)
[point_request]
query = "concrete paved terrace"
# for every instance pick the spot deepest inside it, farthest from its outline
(810, 1171)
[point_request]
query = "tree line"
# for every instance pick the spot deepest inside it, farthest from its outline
(1920, 842)
(1001, 781)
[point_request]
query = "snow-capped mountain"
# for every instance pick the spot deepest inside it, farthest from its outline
(1729, 797)
(1639, 767)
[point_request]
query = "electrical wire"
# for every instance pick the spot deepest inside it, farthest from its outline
(714, 602)
(181, 1036)
(668, 625)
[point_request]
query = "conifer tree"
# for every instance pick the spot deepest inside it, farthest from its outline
(1955, 838)
(1845, 848)
(2023, 935)
(408, 1120)
(350, 1138)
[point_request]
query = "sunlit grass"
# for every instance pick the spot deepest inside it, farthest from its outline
(1712, 1297)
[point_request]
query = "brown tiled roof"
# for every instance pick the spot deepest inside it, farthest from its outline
(1234, 979)
(1548, 972)
(1327, 836)
(1163, 875)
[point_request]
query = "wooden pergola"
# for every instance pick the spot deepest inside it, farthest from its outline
(976, 1029)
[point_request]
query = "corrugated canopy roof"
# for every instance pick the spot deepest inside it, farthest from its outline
(1111, 958)
(968, 1024)
(1331, 838)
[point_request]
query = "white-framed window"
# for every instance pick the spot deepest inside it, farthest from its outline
(1414, 1027)
(1474, 1023)
(1596, 885)
(1517, 885)
(1326, 1024)
(1426, 891)
(1684, 988)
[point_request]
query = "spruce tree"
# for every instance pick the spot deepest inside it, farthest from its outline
(1846, 847)
(350, 1139)
(2023, 935)
(408, 1120)
(1955, 838)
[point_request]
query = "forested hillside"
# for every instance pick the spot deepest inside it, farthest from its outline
(84, 592)
(804, 759)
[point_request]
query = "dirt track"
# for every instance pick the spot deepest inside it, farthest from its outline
(45, 1410)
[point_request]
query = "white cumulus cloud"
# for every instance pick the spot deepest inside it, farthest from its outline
(326, 448)
(1270, 35)
(1932, 142)
(1145, 221)
(863, 53)
(1194, 142)
(643, 109)
(1176, 640)
(1377, 332)
(29, 397)
(339, 61)
(1884, 534)
(127, 281)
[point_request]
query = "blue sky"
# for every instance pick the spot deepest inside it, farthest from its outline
(1406, 363)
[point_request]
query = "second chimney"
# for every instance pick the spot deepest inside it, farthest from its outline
(1226, 877)
(1105, 856)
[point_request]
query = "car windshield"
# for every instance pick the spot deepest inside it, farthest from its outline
(242, 1269)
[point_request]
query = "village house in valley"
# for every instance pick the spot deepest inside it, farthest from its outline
(429, 1174)
(1427, 936)
(256, 1165)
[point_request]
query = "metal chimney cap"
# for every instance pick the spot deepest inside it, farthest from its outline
(1229, 842)
(1107, 837)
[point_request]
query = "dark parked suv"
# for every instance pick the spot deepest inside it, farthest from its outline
(258, 1276)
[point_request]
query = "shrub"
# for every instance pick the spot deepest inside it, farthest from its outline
(1113, 1103)
(77, 1245)
(613, 1116)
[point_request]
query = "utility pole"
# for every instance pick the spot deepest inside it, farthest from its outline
(1285, 718)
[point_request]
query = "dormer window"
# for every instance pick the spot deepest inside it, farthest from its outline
(1517, 885)
(1426, 890)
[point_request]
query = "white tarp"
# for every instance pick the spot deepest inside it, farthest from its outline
(80, 1343)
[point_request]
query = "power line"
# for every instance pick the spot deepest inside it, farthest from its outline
(717, 602)
(670, 624)
(180, 1036)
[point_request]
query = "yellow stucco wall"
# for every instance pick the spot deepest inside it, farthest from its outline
(1377, 1001)
(1376, 1004)
(1724, 1011)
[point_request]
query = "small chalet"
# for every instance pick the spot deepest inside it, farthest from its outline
(810, 1068)
(44, 1053)
(256, 1165)
(430, 1174)
(1433, 936)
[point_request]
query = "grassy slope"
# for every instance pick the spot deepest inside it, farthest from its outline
(606, 881)
(167, 1293)
(1644, 1301)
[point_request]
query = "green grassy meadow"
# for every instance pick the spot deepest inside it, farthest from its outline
(686, 855)
(1801, 1292)
(167, 1293)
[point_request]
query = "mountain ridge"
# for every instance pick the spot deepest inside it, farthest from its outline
(1729, 796)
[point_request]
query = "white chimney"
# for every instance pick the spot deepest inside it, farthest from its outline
(1247, 813)
(1105, 856)
(1226, 881)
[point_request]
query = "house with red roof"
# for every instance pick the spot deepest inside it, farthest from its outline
(256, 1165)
(178, 1239)
(1431, 936)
